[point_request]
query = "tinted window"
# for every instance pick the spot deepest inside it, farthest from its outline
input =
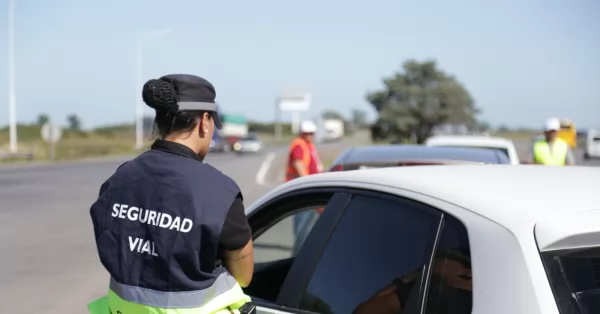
(450, 286)
(373, 259)
(575, 279)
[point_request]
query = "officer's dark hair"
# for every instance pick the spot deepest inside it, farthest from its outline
(161, 96)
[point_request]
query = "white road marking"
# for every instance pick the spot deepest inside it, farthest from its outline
(264, 169)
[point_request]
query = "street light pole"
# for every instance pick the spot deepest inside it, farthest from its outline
(12, 110)
(139, 77)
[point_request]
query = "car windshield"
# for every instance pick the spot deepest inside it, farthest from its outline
(574, 276)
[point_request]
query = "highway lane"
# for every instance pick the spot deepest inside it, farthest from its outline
(48, 261)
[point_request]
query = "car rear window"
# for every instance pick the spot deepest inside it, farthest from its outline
(574, 276)
(502, 150)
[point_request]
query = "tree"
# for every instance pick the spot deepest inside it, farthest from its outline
(359, 118)
(74, 122)
(331, 114)
(419, 98)
(42, 119)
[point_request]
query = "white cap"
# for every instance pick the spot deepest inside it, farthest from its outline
(308, 127)
(552, 124)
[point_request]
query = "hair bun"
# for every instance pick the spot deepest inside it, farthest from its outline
(159, 95)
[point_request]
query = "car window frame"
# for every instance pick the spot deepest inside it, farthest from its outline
(302, 276)
(260, 222)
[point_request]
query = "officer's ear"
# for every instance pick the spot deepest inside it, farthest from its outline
(205, 123)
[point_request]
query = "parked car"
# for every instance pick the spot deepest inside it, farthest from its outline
(501, 144)
(378, 156)
(249, 144)
(481, 239)
(592, 144)
(219, 144)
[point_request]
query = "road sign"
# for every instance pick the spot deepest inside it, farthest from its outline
(293, 101)
(51, 133)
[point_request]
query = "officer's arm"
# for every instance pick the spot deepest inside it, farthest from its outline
(297, 156)
(240, 264)
(236, 244)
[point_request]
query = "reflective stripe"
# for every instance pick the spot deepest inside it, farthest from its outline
(184, 299)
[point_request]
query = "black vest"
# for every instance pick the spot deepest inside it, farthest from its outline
(158, 220)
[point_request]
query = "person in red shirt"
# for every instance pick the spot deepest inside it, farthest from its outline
(303, 160)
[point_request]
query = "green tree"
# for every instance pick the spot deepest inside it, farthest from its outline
(73, 122)
(331, 114)
(42, 119)
(419, 98)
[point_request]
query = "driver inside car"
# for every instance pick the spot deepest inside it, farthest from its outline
(450, 289)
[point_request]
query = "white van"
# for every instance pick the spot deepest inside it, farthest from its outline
(592, 144)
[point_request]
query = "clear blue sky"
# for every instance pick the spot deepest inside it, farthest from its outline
(522, 61)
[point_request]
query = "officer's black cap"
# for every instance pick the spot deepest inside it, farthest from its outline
(194, 94)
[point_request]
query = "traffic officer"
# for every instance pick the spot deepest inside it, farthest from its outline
(165, 221)
(550, 149)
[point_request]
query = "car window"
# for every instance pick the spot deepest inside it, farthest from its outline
(373, 259)
(450, 286)
(574, 276)
(285, 238)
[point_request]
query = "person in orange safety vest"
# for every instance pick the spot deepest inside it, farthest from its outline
(303, 160)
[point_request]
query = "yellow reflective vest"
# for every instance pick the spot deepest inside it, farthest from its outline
(557, 156)
(227, 301)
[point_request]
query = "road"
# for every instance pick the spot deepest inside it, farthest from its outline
(49, 262)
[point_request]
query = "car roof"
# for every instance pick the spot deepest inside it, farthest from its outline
(395, 153)
(507, 194)
(474, 140)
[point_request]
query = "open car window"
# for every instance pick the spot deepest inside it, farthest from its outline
(280, 229)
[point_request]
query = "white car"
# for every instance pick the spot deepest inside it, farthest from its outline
(592, 144)
(489, 142)
(481, 239)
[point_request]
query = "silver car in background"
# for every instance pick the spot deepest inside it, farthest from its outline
(249, 144)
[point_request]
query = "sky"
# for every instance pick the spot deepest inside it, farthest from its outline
(522, 61)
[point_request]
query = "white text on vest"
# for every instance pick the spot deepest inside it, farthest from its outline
(151, 217)
(142, 246)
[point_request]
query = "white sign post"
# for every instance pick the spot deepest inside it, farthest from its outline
(295, 103)
(51, 134)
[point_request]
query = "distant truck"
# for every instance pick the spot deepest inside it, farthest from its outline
(333, 130)
(235, 127)
(568, 132)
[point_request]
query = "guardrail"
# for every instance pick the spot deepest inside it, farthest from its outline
(16, 156)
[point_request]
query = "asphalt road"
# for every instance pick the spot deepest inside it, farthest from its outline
(49, 262)
(48, 259)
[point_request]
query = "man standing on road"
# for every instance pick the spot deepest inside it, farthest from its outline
(303, 160)
(552, 150)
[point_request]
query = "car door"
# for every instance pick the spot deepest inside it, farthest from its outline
(272, 269)
(385, 254)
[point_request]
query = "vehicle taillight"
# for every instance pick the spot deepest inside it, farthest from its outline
(336, 168)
